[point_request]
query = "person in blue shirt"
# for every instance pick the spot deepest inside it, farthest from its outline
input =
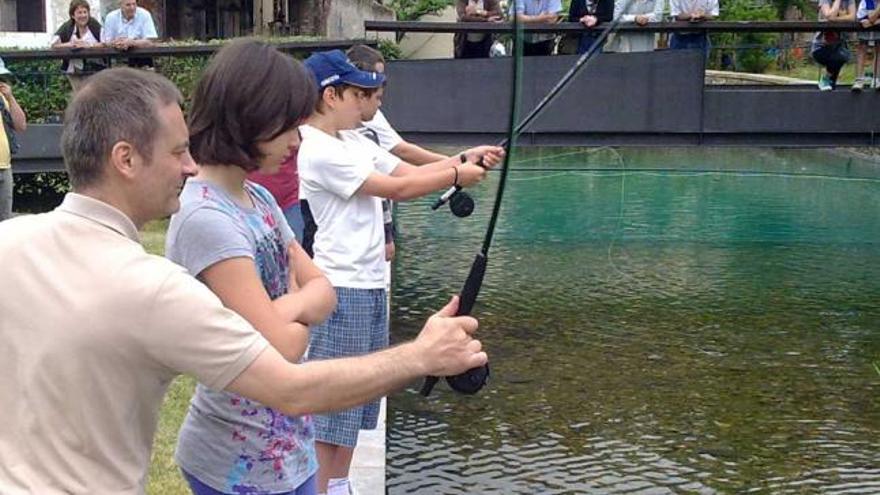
(537, 12)
(129, 27)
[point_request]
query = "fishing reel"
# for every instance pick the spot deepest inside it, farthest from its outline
(460, 203)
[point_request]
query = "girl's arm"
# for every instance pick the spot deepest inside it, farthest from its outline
(237, 283)
(311, 298)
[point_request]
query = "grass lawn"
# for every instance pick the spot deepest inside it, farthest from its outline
(165, 477)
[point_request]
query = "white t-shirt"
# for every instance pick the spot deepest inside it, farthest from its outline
(349, 245)
(388, 137)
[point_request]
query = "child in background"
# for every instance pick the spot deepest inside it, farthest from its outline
(829, 47)
(868, 15)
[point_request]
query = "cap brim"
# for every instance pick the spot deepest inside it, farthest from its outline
(363, 79)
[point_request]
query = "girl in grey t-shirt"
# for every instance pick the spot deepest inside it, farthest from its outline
(231, 234)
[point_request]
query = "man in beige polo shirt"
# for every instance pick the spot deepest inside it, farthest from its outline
(92, 328)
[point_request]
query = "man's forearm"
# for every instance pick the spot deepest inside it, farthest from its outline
(336, 384)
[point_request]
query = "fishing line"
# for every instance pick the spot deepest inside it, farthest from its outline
(473, 380)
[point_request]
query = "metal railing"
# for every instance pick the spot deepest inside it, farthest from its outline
(653, 27)
(160, 50)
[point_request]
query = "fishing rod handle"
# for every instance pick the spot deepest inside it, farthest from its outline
(472, 380)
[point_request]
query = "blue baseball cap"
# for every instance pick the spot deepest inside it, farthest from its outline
(332, 68)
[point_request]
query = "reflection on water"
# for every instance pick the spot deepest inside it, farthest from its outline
(699, 331)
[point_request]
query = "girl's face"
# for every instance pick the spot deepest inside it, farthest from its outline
(278, 150)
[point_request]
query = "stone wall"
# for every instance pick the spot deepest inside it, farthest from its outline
(7, 15)
(430, 45)
(345, 18)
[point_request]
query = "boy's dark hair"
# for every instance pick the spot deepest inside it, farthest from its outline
(364, 57)
(339, 89)
(249, 93)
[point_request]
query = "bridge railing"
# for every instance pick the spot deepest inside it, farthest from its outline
(655, 27)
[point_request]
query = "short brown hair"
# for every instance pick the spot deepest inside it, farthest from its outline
(250, 92)
(340, 89)
(75, 4)
(115, 105)
(364, 57)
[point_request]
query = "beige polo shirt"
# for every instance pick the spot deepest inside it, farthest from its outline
(92, 330)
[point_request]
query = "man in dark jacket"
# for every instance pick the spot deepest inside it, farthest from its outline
(590, 13)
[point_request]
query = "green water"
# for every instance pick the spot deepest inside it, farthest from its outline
(672, 322)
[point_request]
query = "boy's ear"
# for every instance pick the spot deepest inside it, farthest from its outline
(328, 94)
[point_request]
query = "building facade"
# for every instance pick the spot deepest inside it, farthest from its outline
(30, 23)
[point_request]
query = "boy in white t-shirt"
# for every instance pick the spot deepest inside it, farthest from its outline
(343, 177)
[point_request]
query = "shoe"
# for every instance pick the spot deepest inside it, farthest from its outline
(858, 85)
(825, 83)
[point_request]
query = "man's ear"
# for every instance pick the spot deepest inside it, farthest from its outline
(124, 159)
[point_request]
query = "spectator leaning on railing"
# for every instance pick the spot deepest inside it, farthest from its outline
(868, 15)
(475, 45)
(829, 47)
(589, 13)
(537, 12)
(640, 12)
(130, 26)
(80, 31)
(693, 11)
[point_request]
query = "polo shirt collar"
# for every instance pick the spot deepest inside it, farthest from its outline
(100, 212)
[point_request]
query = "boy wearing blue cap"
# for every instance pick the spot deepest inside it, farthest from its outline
(343, 178)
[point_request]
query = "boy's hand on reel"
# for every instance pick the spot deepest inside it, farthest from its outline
(490, 155)
(469, 174)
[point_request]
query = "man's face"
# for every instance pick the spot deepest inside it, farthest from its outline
(162, 178)
(128, 7)
(370, 105)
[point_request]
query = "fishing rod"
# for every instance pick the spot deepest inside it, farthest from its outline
(471, 381)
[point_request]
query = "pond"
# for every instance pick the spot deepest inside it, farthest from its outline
(658, 321)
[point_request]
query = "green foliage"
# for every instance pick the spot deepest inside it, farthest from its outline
(807, 7)
(43, 183)
(390, 50)
(412, 10)
(40, 88)
(755, 56)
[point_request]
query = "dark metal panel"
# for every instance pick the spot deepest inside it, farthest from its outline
(634, 92)
(40, 149)
(803, 111)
